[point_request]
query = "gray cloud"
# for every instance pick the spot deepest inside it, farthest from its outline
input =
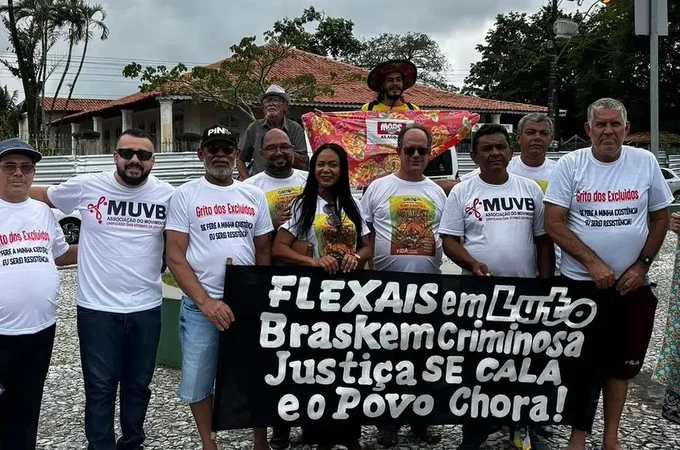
(202, 31)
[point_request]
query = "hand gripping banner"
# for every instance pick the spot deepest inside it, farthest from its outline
(370, 137)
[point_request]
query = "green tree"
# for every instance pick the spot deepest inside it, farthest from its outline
(606, 58)
(419, 48)
(9, 113)
(237, 82)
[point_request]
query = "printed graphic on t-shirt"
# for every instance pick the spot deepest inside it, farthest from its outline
(279, 199)
(412, 226)
(226, 229)
(127, 214)
(607, 216)
(501, 208)
(334, 241)
(543, 184)
(28, 247)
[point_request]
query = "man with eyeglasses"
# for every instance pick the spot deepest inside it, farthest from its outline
(403, 211)
(493, 225)
(119, 285)
(212, 219)
(275, 102)
(281, 183)
(31, 246)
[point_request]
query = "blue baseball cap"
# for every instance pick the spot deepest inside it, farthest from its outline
(19, 147)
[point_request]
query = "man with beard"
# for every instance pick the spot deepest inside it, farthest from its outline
(280, 181)
(28, 299)
(477, 241)
(196, 252)
(390, 79)
(119, 293)
(280, 184)
(275, 103)
(403, 211)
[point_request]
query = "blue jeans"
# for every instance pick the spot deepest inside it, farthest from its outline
(117, 348)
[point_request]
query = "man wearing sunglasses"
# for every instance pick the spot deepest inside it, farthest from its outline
(31, 246)
(119, 285)
(403, 211)
(212, 219)
(275, 102)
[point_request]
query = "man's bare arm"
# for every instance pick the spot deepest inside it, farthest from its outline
(175, 255)
(242, 169)
(300, 162)
(40, 194)
(263, 247)
(601, 274)
(68, 258)
(453, 248)
(447, 185)
(545, 256)
(658, 225)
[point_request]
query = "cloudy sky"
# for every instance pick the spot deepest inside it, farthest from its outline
(155, 32)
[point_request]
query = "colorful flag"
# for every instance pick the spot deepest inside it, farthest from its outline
(370, 137)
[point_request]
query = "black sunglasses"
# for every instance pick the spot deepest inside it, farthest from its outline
(9, 169)
(333, 218)
(129, 153)
(422, 151)
(213, 149)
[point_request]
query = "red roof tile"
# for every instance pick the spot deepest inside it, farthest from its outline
(351, 93)
(75, 104)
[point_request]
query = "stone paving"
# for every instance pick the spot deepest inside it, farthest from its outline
(170, 424)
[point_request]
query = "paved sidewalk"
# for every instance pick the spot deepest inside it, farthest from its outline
(170, 424)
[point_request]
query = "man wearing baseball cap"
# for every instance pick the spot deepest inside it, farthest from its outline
(31, 246)
(390, 79)
(196, 254)
(275, 102)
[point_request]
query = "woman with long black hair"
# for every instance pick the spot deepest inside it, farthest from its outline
(326, 217)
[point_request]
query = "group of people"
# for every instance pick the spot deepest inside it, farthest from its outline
(514, 217)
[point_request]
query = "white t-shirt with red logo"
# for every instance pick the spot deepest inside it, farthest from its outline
(221, 222)
(405, 216)
(120, 247)
(608, 204)
(498, 223)
(30, 240)
(279, 192)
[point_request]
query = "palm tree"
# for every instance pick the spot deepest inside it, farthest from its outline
(75, 34)
(9, 113)
(89, 14)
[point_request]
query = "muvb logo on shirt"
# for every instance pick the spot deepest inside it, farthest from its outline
(500, 207)
(127, 213)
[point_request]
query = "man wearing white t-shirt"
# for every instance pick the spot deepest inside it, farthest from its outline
(31, 246)
(403, 211)
(212, 219)
(281, 183)
(493, 225)
(119, 291)
(606, 207)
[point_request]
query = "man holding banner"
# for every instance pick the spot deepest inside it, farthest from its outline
(212, 219)
(403, 211)
(607, 209)
(493, 225)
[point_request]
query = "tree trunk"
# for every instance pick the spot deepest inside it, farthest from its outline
(75, 79)
(63, 76)
(27, 76)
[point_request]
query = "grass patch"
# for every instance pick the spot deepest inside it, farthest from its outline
(169, 279)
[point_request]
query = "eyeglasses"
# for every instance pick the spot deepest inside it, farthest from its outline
(213, 149)
(9, 169)
(422, 151)
(333, 218)
(129, 153)
(274, 148)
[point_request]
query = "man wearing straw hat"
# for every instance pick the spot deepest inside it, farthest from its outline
(390, 79)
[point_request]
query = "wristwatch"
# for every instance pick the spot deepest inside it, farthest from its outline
(646, 261)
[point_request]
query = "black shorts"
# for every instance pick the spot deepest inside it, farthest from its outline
(629, 330)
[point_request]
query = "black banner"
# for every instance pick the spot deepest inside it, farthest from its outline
(385, 347)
